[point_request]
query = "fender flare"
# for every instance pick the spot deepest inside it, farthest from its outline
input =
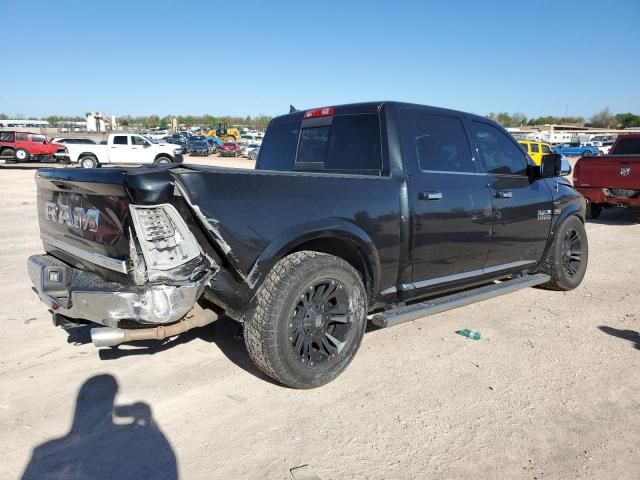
(571, 210)
(316, 230)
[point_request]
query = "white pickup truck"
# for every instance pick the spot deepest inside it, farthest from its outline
(123, 149)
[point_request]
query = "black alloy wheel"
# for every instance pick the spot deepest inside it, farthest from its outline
(571, 252)
(321, 323)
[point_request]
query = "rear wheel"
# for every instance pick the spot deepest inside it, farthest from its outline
(568, 255)
(88, 161)
(309, 319)
(8, 152)
(594, 210)
(22, 155)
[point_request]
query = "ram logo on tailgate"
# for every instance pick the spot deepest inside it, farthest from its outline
(76, 217)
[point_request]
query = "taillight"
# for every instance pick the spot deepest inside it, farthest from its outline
(576, 171)
(164, 237)
(319, 112)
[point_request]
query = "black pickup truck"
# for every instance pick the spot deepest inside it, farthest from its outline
(384, 211)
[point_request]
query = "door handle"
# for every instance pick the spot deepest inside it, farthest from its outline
(430, 196)
(504, 195)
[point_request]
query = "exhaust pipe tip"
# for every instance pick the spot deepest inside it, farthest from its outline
(107, 337)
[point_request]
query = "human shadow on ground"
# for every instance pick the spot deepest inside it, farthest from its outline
(630, 335)
(105, 441)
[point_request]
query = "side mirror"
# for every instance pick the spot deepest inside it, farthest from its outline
(565, 168)
(551, 165)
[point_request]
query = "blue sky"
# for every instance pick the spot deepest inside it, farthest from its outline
(253, 57)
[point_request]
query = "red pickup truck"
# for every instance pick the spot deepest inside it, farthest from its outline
(611, 180)
(25, 146)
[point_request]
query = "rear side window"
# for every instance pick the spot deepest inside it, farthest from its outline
(442, 145)
(535, 148)
(22, 137)
(351, 143)
(120, 140)
(628, 146)
(6, 136)
(499, 153)
(278, 151)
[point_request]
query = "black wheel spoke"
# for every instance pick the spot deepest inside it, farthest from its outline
(340, 310)
(329, 292)
(337, 343)
(340, 318)
(328, 346)
(320, 323)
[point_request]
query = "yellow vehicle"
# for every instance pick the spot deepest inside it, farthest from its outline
(226, 133)
(536, 149)
(223, 132)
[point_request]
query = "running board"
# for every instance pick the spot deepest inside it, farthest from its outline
(408, 313)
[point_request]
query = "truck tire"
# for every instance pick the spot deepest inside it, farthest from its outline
(88, 161)
(593, 210)
(22, 155)
(586, 153)
(309, 319)
(162, 160)
(8, 152)
(568, 255)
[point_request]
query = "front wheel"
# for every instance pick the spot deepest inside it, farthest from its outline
(162, 160)
(568, 255)
(308, 321)
(586, 153)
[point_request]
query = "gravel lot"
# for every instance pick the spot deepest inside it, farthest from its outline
(551, 391)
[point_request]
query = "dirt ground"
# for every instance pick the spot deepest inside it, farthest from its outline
(551, 391)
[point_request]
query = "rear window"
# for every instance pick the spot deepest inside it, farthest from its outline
(628, 146)
(350, 144)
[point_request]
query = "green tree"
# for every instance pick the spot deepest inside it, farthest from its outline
(626, 120)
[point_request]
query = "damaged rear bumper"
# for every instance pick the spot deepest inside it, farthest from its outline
(83, 295)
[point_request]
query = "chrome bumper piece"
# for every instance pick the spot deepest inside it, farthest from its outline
(83, 295)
